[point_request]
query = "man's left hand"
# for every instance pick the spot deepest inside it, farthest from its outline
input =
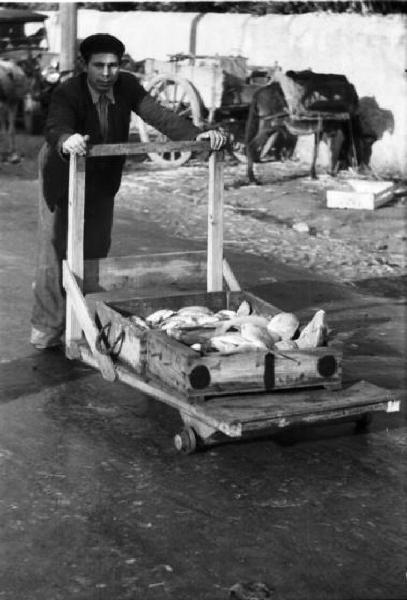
(216, 138)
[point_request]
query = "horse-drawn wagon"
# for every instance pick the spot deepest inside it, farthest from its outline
(262, 108)
(24, 45)
(210, 90)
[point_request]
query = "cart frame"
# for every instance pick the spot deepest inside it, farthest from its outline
(238, 414)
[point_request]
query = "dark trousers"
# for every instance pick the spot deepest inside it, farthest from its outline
(48, 314)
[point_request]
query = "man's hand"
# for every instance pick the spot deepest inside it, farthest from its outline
(75, 144)
(216, 138)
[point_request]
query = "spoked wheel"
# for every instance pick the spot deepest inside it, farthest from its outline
(180, 96)
(186, 441)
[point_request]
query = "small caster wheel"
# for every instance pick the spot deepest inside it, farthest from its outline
(186, 441)
(364, 421)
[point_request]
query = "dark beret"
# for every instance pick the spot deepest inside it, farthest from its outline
(101, 42)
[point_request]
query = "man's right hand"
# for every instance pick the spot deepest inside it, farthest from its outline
(75, 144)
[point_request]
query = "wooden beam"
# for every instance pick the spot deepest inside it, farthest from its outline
(188, 269)
(76, 217)
(230, 278)
(68, 21)
(215, 223)
(147, 147)
(86, 323)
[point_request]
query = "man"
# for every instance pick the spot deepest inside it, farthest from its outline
(93, 107)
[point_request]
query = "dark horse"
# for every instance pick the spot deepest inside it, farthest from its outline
(286, 108)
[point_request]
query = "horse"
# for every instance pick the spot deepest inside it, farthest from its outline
(289, 107)
(13, 87)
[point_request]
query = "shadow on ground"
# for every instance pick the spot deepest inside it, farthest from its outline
(389, 287)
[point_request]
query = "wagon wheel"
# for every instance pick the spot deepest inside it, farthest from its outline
(181, 97)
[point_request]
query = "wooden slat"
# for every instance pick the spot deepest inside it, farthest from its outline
(127, 340)
(324, 115)
(230, 278)
(250, 408)
(215, 223)
(86, 323)
(313, 418)
(145, 148)
(76, 216)
(145, 271)
(143, 306)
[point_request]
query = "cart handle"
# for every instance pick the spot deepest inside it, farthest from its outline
(76, 215)
(128, 149)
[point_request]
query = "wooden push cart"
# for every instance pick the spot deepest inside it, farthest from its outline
(218, 397)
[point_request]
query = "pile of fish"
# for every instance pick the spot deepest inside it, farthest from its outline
(230, 332)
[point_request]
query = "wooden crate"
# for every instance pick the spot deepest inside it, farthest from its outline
(158, 357)
(361, 194)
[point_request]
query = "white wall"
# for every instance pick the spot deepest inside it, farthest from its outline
(370, 50)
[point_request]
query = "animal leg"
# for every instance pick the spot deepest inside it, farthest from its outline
(317, 139)
(13, 157)
(336, 142)
(268, 145)
(3, 132)
(251, 159)
(255, 153)
(250, 170)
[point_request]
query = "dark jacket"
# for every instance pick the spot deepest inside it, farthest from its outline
(72, 111)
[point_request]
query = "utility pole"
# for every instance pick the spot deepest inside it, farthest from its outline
(68, 23)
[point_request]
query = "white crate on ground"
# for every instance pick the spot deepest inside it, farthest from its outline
(361, 194)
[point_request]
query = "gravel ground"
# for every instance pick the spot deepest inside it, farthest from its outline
(362, 247)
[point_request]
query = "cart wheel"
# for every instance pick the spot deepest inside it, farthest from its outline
(186, 441)
(364, 421)
(180, 96)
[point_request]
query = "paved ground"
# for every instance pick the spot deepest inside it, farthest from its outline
(94, 501)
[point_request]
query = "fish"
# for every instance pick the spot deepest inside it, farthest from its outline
(155, 318)
(189, 322)
(315, 333)
(283, 324)
(176, 320)
(226, 314)
(193, 310)
(197, 335)
(259, 336)
(230, 343)
(244, 309)
(175, 324)
(202, 320)
(139, 321)
(286, 345)
(237, 322)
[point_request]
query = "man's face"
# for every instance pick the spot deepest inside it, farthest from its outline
(102, 70)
